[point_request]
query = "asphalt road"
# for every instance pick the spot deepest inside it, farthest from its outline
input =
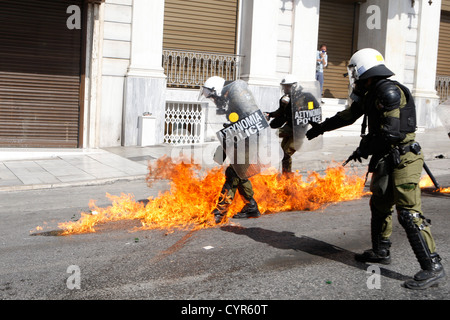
(281, 256)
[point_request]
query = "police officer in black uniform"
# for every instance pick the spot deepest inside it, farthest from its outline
(282, 120)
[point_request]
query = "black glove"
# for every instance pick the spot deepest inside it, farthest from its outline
(357, 155)
(315, 131)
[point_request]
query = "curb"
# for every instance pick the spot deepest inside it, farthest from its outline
(71, 184)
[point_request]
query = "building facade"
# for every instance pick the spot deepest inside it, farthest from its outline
(103, 73)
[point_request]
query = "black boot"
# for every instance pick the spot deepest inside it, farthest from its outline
(378, 254)
(431, 274)
(250, 210)
(218, 216)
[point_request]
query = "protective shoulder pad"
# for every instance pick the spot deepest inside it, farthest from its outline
(388, 94)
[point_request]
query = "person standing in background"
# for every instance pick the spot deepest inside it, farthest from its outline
(321, 62)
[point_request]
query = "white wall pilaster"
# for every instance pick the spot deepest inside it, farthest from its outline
(424, 91)
(304, 39)
(145, 83)
(259, 42)
(93, 79)
(147, 38)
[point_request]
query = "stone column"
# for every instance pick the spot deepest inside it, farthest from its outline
(145, 83)
(93, 79)
(424, 91)
(258, 43)
(305, 38)
(305, 33)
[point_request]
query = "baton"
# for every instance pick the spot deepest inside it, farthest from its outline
(346, 161)
(436, 184)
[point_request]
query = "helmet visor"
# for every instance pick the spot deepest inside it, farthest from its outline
(353, 75)
(205, 93)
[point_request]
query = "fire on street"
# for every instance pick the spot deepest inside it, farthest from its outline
(289, 255)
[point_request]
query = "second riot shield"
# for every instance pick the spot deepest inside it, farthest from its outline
(305, 109)
(245, 137)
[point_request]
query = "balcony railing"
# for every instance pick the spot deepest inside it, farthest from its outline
(443, 87)
(190, 69)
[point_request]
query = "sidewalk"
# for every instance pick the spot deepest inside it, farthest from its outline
(25, 169)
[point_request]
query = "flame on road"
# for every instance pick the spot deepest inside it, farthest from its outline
(193, 194)
(426, 182)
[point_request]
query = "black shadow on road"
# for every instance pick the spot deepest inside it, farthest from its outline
(288, 241)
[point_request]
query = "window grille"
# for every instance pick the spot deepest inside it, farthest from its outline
(184, 123)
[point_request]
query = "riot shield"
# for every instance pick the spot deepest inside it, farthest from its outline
(246, 136)
(305, 108)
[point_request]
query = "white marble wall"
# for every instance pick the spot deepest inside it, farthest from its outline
(407, 36)
(284, 38)
(116, 46)
(424, 91)
(145, 82)
(143, 94)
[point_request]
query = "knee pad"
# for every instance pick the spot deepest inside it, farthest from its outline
(406, 219)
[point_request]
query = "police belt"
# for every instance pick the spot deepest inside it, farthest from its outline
(412, 147)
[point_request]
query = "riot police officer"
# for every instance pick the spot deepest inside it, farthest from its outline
(235, 102)
(396, 162)
(283, 120)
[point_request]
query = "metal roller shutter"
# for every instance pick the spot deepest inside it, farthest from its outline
(336, 30)
(445, 5)
(200, 25)
(40, 74)
(443, 61)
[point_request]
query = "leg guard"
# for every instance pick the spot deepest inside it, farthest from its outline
(432, 270)
(415, 237)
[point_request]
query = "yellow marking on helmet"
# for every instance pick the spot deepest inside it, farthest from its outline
(310, 105)
(233, 117)
(379, 57)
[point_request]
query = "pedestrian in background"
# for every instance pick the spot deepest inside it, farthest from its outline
(321, 63)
